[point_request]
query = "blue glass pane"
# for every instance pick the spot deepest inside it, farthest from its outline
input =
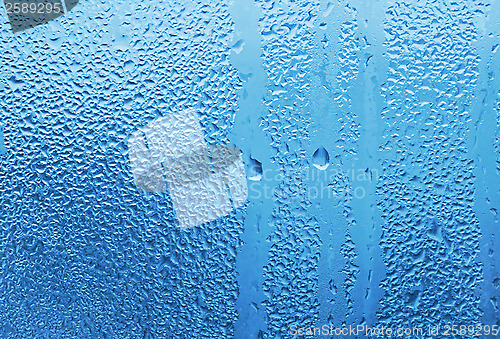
(249, 169)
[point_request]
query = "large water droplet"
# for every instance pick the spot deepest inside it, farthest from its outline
(321, 159)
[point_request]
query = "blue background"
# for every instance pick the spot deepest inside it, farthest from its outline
(407, 92)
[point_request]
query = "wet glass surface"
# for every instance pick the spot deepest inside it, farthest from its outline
(369, 133)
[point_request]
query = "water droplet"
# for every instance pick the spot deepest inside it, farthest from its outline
(321, 159)
(255, 171)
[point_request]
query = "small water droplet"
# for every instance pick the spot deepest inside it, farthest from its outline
(255, 171)
(321, 159)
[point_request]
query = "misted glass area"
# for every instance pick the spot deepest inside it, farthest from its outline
(250, 169)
